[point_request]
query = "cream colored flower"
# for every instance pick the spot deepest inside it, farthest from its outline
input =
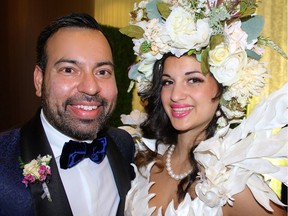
(227, 72)
(46, 159)
(218, 54)
(185, 33)
(252, 80)
(32, 168)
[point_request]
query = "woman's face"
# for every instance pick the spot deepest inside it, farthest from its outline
(187, 94)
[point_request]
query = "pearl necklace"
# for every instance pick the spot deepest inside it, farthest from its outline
(169, 168)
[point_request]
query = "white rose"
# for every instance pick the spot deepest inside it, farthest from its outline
(31, 168)
(218, 54)
(46, 159)
(227, 72)
(147, 63)
(185, 33)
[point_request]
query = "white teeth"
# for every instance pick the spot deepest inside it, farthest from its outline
(86, 107)
(179, 110)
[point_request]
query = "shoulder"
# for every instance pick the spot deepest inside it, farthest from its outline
(123, 141)
(246, 204)
(8, 139)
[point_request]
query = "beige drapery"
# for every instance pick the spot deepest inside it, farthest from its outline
(276, 25)
(113, 12)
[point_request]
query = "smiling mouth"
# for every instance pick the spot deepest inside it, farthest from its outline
(181, 110)
(86, 108)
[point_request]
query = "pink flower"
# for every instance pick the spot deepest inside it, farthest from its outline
(30, 178)
(42, 170)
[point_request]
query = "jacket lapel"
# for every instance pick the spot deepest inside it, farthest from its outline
(120, 172)
(33, 143)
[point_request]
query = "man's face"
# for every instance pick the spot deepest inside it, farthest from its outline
(78, 87)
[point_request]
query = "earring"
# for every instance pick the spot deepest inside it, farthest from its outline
(218, 113)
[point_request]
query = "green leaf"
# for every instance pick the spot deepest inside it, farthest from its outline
(247, 10)
(253, 55)
(190, 52)
(253, 27)
(152, 11)
(216, 40)
(269, 43)
(145, 47)
(164, 9)
(204, 61)
(132, 31)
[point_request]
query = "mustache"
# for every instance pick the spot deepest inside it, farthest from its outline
(88, 98)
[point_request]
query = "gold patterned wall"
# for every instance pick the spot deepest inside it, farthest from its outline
(113, 12)
(276, 27)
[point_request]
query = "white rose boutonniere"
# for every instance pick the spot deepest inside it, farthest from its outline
(37, 171)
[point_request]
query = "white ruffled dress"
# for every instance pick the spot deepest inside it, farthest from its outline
(233, 159)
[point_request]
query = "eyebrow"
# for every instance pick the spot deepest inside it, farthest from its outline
(99, 64)
(187, 73)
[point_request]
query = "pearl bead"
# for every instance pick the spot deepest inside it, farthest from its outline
(169, 167)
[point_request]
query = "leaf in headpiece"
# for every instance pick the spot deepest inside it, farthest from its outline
(253, 54)
(191, 52)
(273, 45)
(145, 47)
(132, 31)
(247, 9)
(152, 11)
(164, 9)
(216, 40)
(204, 61)
(253, 27)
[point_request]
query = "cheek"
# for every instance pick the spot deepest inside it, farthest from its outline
(57, 90)
(109, 91)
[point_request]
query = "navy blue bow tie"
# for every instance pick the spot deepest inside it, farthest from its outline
(73, 152)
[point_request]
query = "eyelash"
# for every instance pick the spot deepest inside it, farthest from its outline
(196, 80)
(191, 80)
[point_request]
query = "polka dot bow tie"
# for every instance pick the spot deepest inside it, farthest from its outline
(73, 152)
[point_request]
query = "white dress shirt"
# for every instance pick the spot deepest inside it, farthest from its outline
(90, 187)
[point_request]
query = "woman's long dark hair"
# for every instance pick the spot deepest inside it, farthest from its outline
(158, 126)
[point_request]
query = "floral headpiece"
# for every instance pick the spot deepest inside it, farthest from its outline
(224, 35)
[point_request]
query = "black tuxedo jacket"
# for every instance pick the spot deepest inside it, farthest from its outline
(30, 141)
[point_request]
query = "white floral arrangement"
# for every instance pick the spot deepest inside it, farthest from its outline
(224, 35)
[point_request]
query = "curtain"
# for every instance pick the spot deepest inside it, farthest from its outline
(113, 12)
(275, 27)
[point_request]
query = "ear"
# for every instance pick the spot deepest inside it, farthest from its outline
(38, 80)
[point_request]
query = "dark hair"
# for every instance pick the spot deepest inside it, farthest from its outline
(80, 20)
(158, 126)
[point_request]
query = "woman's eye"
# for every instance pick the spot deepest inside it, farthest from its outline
(195, 80)
(166, 82)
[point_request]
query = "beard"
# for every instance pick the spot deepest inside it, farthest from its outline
(80, 129)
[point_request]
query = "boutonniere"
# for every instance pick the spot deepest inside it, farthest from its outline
(37, 171)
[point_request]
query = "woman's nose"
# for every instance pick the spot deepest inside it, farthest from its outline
(178, 92)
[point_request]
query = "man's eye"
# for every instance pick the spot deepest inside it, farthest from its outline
(104, 73)
(67, 70)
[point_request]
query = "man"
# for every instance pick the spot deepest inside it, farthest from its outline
(74, 77)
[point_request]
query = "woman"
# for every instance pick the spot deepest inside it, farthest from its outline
(189, 162)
